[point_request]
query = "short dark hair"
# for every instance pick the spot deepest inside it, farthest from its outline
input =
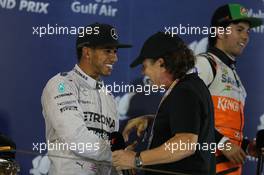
(79, 53)
(178, 62)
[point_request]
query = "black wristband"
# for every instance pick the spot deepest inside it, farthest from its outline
(138, 162)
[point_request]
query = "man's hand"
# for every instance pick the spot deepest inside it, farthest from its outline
(123, 159)
(234, 153)
(139, 124)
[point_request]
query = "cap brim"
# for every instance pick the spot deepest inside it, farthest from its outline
(117, 45)
(137, 61)
(254, 22)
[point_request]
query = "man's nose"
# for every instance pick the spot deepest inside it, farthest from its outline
(114, 57)
(245, 36)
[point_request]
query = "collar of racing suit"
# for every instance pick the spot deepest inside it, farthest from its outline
(91, 82)
(223, 57)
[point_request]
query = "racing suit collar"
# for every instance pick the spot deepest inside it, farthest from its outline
(89, 80)
(223, 57)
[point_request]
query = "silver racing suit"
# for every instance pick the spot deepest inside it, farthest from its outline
(79, 117)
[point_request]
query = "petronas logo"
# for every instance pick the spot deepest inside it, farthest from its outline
(61, 88)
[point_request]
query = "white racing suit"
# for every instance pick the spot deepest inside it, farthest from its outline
(229, 95)
(79, 117)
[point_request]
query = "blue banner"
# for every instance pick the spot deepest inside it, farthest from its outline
(37, 40)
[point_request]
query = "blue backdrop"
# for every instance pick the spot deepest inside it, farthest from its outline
(27, 60)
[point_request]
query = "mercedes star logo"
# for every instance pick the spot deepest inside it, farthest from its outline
(114, 34)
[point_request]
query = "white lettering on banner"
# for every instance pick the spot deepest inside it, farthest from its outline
(95, 8)
(259, 14)
(32, 6)
(105, 1)
(88, 9)
(227, 104)
(7, 4)
(25, 5)
(259, 29)
(107, 10)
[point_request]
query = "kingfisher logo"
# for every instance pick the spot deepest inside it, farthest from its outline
(225, 104)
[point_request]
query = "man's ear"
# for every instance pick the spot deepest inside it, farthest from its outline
(220, 32)
(86, 51)
(161, 62)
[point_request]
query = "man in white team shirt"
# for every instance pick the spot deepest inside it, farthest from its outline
(78, 112)
(217, 69)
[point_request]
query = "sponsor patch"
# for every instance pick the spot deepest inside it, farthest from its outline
(61, 88)
(62, 95)
(68, 108)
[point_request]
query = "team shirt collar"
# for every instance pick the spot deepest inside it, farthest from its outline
(227, 59)
(89, 80)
